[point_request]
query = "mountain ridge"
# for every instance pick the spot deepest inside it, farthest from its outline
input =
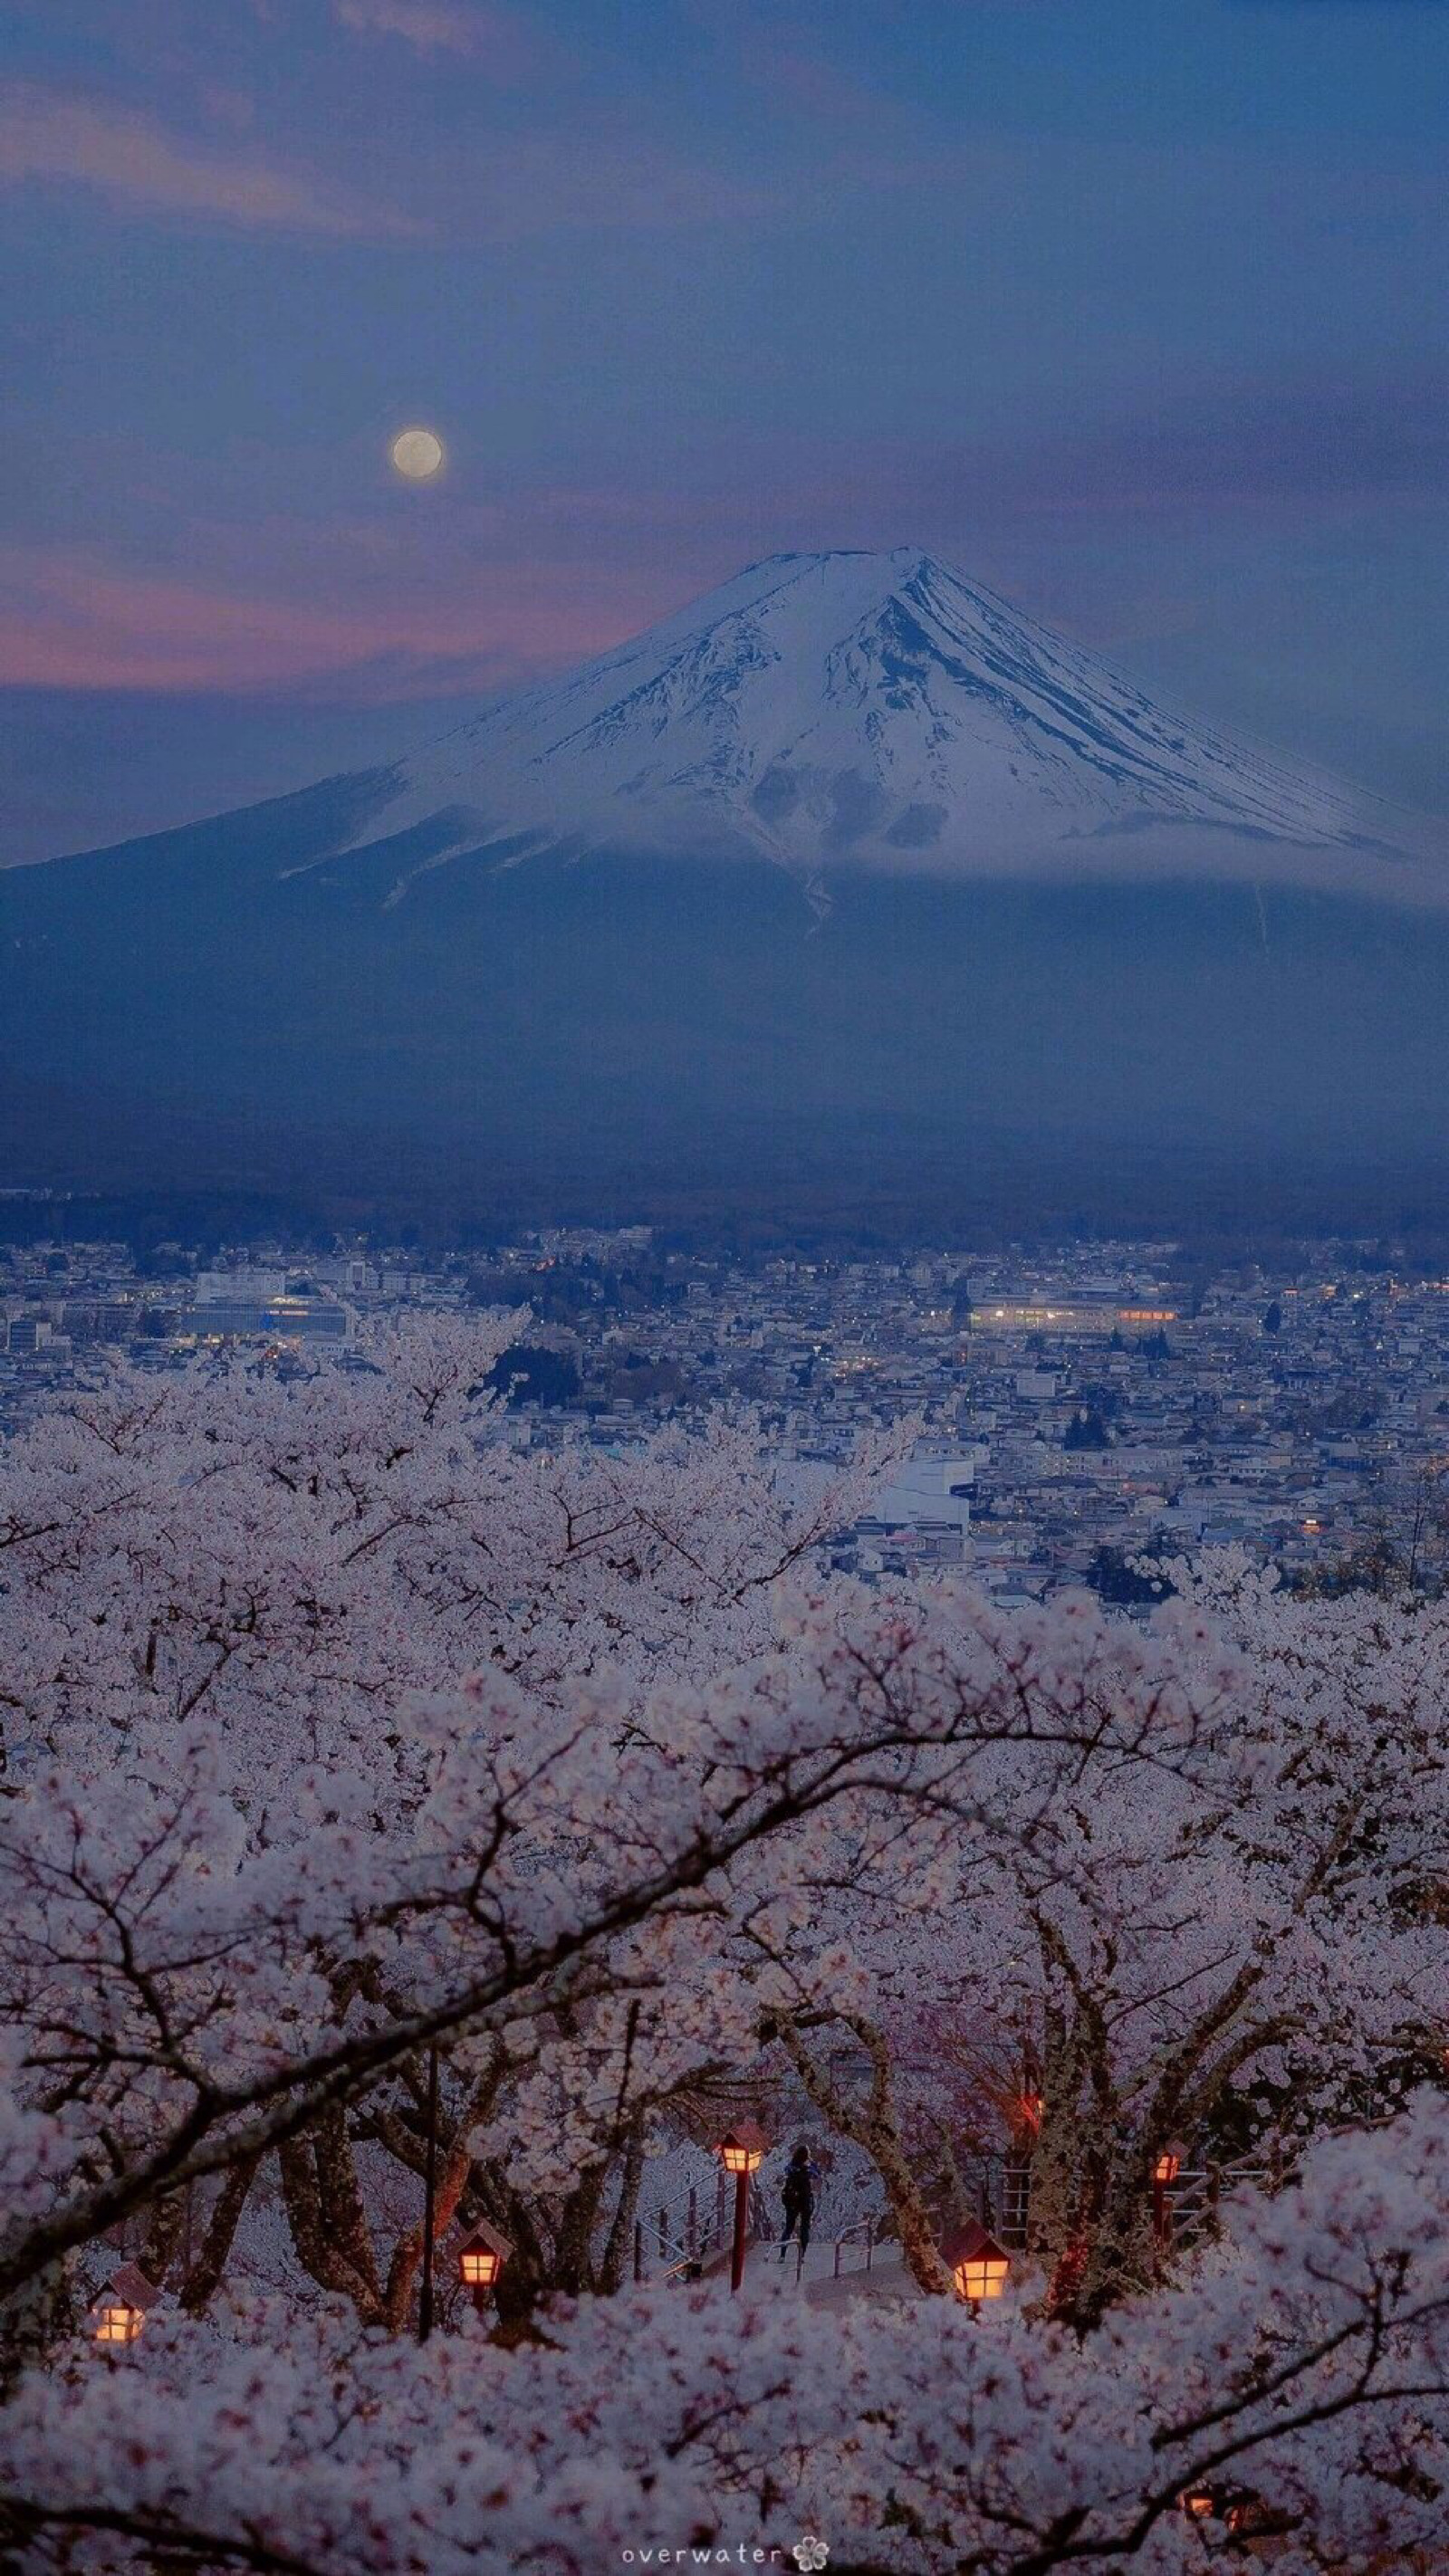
(876, 709)
(649, 919)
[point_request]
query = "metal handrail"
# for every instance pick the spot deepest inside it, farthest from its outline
(680, 2254)
(663, 2252)
(1193, 2201)
(864, 2230)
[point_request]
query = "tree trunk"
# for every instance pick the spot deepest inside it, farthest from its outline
(203, 2280)
(874, 2127)
(616, 2250)
(408, 2251)
(337, 2255)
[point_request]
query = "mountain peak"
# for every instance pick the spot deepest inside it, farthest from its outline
(496, 955)
(837, 581)
(876, 709)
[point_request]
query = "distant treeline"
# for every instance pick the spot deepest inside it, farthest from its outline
(198, 1220)
(978, 1214)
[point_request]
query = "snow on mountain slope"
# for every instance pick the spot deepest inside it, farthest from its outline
(891, 883)
(877, 709)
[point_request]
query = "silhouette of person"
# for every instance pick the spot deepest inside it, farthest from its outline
(798, 2196)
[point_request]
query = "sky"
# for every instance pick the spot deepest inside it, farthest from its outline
(1132, 308)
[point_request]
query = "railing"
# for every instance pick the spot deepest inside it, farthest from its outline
(1011, 2204)
(692, 2243)
(1197, 2196)
(865, 2231)
(670, 2248)
(1191, 2204)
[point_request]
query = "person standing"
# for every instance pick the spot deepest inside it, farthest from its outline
(798, 2195)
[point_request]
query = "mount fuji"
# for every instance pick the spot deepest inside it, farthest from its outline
(849, 870)
(877, 710)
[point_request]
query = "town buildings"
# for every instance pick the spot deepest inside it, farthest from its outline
(1082, 1414)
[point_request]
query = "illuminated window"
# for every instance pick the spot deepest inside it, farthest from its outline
(119, 2324)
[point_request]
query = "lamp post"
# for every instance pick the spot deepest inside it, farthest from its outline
(741, 2152)
(481, 2258)
(430, 2201)
(977, 2264)
(1166, 2166)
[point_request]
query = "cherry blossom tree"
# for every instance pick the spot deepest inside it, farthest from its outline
(1299, 2388)
(1236, 1946)
(344, 1737)
(233, 1585)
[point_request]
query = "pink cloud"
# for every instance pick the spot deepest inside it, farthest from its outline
(75, 619)
(131, 158)
(470, 590)
(527, 184)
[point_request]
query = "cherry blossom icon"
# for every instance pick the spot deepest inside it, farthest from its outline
(810, 2554)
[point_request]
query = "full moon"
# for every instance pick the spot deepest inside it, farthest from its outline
(417, 454)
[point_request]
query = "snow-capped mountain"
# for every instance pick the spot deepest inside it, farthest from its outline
(846, 880)
(877, 709)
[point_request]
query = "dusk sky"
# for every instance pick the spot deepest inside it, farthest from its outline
(1132, 308)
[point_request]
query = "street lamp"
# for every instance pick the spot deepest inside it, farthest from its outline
(1166, 2166)
(978, 2265)
(481, 2258)
(741, 2152)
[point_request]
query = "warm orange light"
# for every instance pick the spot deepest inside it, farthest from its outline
(119, 2324)
(979, 2265)
(481, 2258)
(985, 2279)
(1196, 2505)
(742, 2150)
(1168, 2166)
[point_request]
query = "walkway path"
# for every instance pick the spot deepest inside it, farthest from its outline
(887, 2277)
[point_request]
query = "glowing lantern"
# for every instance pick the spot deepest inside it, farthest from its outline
(742, 2150)
(120, 2311)
(481, 2258)
(978, 2265)
(118, 2323)
(1166, 2166)
(1196, 2504)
